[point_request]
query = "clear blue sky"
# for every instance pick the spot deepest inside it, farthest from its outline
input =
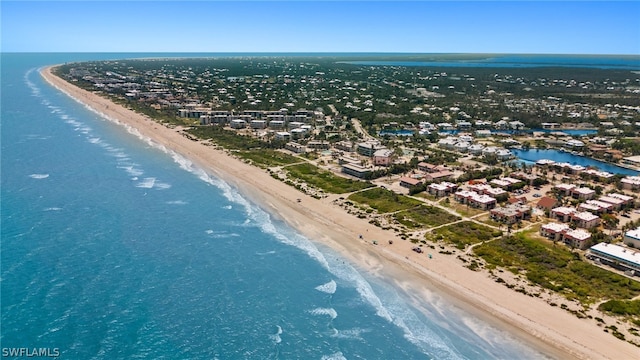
(572, 27)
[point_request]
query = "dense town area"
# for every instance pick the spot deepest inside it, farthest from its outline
(530, 174)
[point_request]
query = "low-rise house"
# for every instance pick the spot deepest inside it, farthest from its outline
(505, 182)
(577, 238)
(409, 182)
(295, 124)
(318, 145)
(238, 124)
(615, 202)
(546, 203)
(583, 193)
(585, 219)
(564, 189)
(483, 133)
(474, 199)
(282, 135)
(382, 157)
(475, 149)
(625, 198)
(258, 124)
(527, 178)
(276, 124)
(487, 189)
(442, 189)
(430, 168)
(596, 207)
(562, 213)
(439, 176)
(554, 231)
(448, 143)
(511, 213)
(298, 133)
(295, 147)
(344, 145)
(356, 170)
(369, 148)
(631, 183)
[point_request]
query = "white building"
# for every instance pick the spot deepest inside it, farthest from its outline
(632, 238)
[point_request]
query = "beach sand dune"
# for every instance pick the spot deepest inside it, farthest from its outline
(551, 330)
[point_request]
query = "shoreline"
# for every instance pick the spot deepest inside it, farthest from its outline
(530, 320)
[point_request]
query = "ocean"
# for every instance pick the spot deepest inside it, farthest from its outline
(115, 248)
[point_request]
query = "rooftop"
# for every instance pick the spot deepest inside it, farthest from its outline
(618, 252)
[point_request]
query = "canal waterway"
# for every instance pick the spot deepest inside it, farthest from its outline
(533, 155)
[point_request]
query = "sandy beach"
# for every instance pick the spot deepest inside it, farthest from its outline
(551, 330)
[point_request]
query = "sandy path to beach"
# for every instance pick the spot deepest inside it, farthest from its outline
(553, 331)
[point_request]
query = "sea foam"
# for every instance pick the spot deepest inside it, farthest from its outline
(329, 288)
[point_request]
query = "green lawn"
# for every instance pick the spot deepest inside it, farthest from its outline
(424, 216)
(325, 180)
(463, 234)
(384, 200)
(555, 267)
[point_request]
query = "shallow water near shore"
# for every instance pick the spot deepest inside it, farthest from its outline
(114, 247)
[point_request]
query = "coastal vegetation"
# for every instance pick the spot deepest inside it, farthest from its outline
(383, 200)
(324, 180)
(556, 268)
(463, 233)
(622, 307)
(424, 215)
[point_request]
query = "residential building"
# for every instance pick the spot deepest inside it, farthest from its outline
(583, 193)
(554, 231)
(442, 189)
(632, 238)
(585, 219)
(631, 183)
(409, 182)
(511, 213)
(439, 176)
(577, 238)
(564, 189)
(616, 256)
(546, 203)
(295, 147)
(238, 124)
(615, 202)
(382, 157)
(369, 148)
(562, 213)
(355, 170)
(474, 199)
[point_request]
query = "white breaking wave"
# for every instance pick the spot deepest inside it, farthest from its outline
(334, 356)
(131, 170)
(350, 333)
(329, 288)
(39, 176)
(53, 209)
(177, 202)
(161, 185)
(276, 337)
(147, 183)
(331, 312)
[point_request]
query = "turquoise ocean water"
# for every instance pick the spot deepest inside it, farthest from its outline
(115, 248)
